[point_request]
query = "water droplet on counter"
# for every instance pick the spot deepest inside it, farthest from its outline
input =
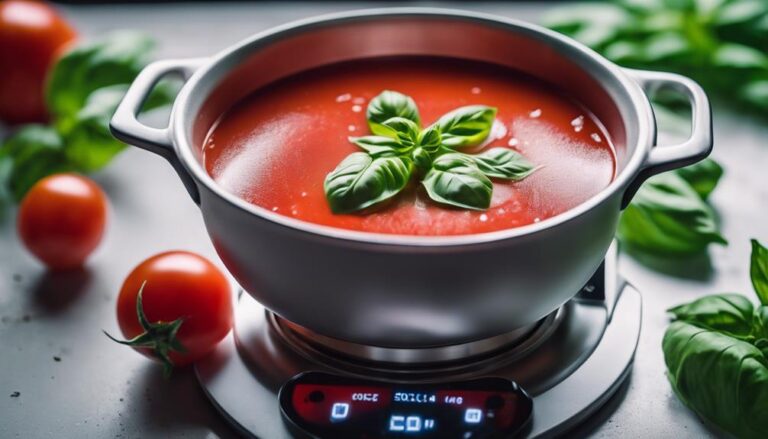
(535, 113)
(475, 90)
(343, 98)
(596, 137)
(513, 142)
(357, 108)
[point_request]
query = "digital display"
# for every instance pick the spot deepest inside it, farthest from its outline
(333, 406)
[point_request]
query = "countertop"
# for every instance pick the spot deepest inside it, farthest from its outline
(74, 382)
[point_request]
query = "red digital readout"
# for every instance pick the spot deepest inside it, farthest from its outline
(329, 404)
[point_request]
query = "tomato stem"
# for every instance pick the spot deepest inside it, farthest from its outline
(159, 337)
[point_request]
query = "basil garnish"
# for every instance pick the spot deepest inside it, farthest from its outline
(667, 215)
(716, 352)
(466, 126)
(399, 145)
(377, 145)
(361, 181)
(456, 180)
(503, 163)
(387, 105)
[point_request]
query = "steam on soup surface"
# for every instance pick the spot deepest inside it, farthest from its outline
(275, 148)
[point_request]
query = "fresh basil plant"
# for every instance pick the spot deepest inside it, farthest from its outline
(716, 353)
(400, 148)
(84, 88)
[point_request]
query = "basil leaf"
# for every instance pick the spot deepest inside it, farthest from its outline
(593, 25)
(114, 59)
(756, 93)
(89, 143)
(702, 176)
(35, 151)
(421, 158)
(389, 104)
(430, 139)
(731, 314)
(377, 145)
(722, 379)
(758, 271)
(668, 216)
(740, 11)
(455, 180)
(361, 181)
(503, 163)
(404, 130)
(739, 56)
(466, 126)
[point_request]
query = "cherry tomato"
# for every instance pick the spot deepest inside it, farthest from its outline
(31, 36)
(61, 220)
(187, 305)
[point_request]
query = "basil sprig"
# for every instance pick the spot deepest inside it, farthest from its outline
(399, 149)
(716, 352)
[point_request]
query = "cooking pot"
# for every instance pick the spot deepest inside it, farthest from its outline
(412, 291)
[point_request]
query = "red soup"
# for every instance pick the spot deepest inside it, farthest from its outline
(275, 148)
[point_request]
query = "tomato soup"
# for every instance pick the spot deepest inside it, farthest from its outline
(275, 148)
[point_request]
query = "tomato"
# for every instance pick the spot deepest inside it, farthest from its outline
(177, 288)
(31, 36)
(61, 220)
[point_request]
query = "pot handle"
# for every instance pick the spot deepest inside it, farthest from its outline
(699, 144)
(125, 126)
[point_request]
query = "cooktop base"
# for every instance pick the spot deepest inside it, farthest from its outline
(586, 353)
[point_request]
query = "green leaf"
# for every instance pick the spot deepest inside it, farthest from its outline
(114, 59)
(756, 93)
(430, 139)
(378, 145)
(404, 130)
(503, 163)
(455, 180)
(389, 104)
(466, 126)
(739, 12)
(593, 25)
(739, 56)
(702, 176)
(668, 216)
(667, 47)
(727, 313)
(89, 143)
(758, 271)
(721, 378)
(34, 152)
(361, 181)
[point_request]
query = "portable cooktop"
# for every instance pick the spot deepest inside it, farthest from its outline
(273, 379)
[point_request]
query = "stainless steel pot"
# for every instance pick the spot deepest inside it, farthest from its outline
(409, 291)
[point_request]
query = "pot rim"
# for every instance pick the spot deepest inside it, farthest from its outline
(181, 118)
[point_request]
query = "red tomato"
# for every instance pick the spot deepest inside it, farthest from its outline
(61, 220)
(31, 35)
(181, 286)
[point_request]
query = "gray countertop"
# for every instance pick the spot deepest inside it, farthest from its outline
(73, 382)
